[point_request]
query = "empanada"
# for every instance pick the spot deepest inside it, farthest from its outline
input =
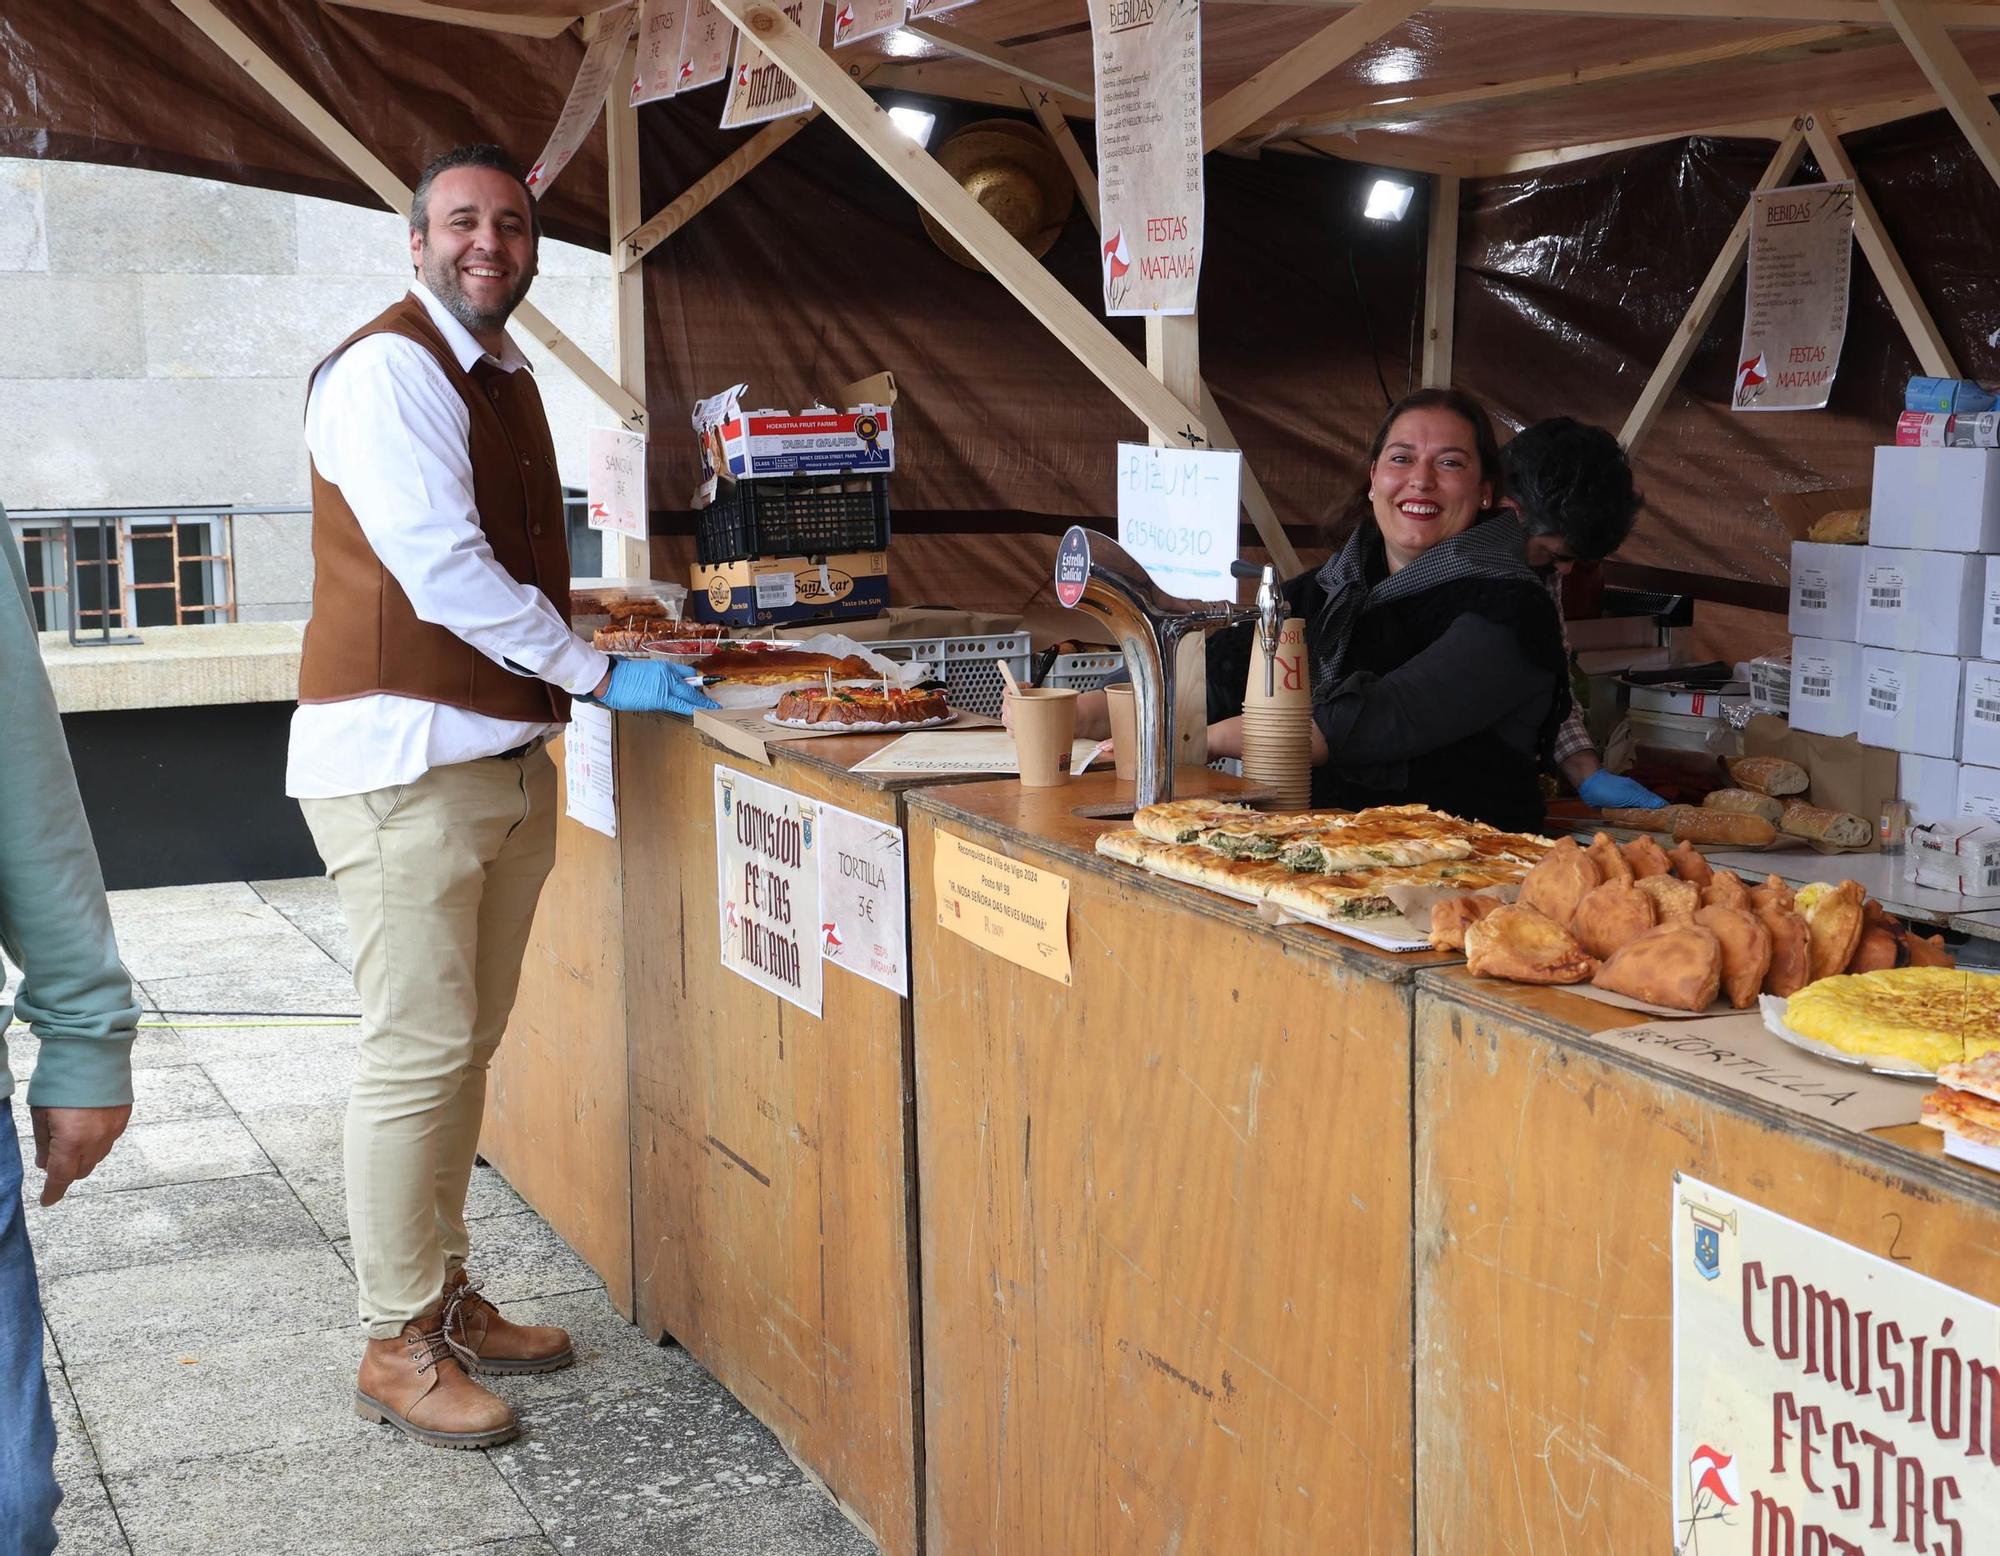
(1646, 857)
(1674, 901)
(1676, 965)
(1689, 865)
(1746, 952)
(1727, 891)
(1791, 951)
(1519, 944)
(1556, 885)
(1609, 859)
(1451, 917)
(1610, 915)
(1834, 923)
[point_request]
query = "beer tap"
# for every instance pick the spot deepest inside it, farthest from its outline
(1270, 615)
(1097, 575)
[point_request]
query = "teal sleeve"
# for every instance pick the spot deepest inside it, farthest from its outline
(54, 921)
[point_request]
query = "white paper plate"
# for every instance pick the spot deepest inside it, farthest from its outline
(1893, 1066)
(860, 729)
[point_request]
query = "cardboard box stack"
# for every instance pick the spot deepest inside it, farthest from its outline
(1896, 621)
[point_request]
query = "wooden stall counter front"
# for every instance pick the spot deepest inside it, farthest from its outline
(738, 1169)
(1165, 1204)
(1591, 1225)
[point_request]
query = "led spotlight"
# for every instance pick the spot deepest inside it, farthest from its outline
(1388, 200)
(917, 124)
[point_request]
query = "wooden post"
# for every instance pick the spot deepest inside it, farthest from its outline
(391, 191)
(1922, 31)
(1441, 280)
(865, 122)
(1707, 298)
(625, 557)
(1896, 285)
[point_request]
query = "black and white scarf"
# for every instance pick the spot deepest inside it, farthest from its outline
(1494, 548)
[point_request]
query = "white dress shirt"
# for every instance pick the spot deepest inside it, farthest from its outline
(384, 424)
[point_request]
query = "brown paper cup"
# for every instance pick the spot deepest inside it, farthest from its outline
(1044, 724)
(1277, 748)
(1290, 685)
(1124, 711)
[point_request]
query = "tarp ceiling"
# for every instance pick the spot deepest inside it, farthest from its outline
(815, 269)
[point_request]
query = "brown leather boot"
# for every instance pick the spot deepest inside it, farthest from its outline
(485, 1342)
(415, 1384)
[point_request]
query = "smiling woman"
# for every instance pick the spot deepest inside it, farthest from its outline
(1437, 661)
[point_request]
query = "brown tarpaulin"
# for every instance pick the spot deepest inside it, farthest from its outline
(815, 270)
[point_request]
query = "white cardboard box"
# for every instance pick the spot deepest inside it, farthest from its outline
(1989, 619)
(1909, 702)
(1979, 791)
(1936, 499)
(1826, 591)
(1929, 601)
(1979, 714)
(1929, 786)
(1826, 686)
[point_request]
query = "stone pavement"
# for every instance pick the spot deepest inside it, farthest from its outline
(202, 1339)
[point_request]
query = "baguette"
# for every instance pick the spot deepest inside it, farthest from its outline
(1836, 828)
(1659, 820)
(1695, 825)
(1745, 802)
(1768, 775)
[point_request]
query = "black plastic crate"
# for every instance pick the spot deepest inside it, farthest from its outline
(810, 518)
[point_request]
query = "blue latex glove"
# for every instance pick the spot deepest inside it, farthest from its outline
(651, 686)
(1608, 791)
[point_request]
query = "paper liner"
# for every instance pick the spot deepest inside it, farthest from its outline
(858, 729)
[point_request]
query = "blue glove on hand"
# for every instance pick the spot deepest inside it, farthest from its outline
(1607, 791)
(651, 686)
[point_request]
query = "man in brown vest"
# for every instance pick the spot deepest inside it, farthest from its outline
(437, 664)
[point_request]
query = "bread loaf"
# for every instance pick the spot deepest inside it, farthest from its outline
(1659, 820)
(1745, 802)
(1721, 826)
(1768, 774)
(1815, 822)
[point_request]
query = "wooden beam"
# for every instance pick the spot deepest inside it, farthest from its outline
(1883, 259)
(1426, 107)
(1055, 124)
(1291, 73)
(390, 190)
(1079, 330)
(468, 16)
(1707, 298)
(959, 81)
(1440, 281)
(1945, 68)
(994, 56)
(1853, 13)
(625, 557)
(706, 190)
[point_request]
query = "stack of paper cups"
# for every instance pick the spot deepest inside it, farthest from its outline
(1277, 720)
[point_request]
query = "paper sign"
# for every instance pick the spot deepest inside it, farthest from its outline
(1738, 1051)
(767, 886)
(956, 751)
(923, 10)
(1177, 516)
(662, 26)
(1825, 1398)
(759, 89)
(586, 96)
(1795, 311)
(590, 780)
(1004, 906)
(616, 484)
(704, 47)
(864, 898)
(1149, 176)
(709, 415)
(854, 20)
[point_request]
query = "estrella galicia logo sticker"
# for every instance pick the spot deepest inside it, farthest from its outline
(1073, 565)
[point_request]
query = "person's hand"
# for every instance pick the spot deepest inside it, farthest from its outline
(1608, 791)
(649, 686)
(70, 1142)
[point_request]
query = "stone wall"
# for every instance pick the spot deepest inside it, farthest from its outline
(159, 330)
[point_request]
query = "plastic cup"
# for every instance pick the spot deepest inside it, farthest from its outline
(1124, 711)
(1044, 724)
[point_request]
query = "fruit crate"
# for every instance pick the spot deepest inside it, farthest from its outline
(815, 517)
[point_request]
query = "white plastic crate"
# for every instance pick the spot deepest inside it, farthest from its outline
(967, 665)
(1082, 672)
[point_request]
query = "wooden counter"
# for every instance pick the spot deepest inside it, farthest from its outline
(1165, 1215)
(1544, 1172)
(740, 1172)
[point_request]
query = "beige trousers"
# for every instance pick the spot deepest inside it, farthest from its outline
(438, 881)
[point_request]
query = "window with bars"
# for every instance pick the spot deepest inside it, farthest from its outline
(97, 570)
